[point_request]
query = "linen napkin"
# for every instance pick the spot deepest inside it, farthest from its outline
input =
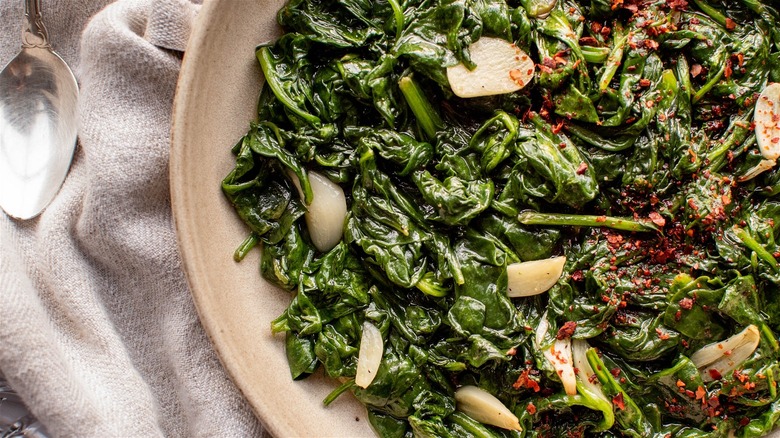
(98, 332)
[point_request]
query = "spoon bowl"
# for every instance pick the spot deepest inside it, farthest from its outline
(38, 122)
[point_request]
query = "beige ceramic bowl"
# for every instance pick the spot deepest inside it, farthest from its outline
(215, 102)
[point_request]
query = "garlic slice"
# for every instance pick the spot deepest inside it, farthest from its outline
(326, 214)
(559, 355)
(485, 408)
(372, 348)
(501, 67)
(721, 358)
(532, 278)
(767, 119)
(579, 347)
(756, 170)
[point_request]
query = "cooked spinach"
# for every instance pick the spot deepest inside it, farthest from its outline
(630, 153)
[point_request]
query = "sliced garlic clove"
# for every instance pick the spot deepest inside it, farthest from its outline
(326, 214)
(756, 170)
(767, 120)
(532, 278)
(485, 408)
(585, 373)
(372, 348)
(501, 67)
(559, 355)
(721, 358)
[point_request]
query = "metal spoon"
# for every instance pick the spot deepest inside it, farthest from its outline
(38, 121)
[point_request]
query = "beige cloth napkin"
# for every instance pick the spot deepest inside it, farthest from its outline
(98, 332)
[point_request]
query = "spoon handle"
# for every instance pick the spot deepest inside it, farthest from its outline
(34, 33)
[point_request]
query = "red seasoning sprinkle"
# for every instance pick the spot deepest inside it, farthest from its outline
(619, 402)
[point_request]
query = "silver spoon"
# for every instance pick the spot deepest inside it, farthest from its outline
(38, 121)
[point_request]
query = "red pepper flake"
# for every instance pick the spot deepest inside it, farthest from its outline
(678, 5)
(739, 376)
(644, 82)
(523, 381)
(650, 44)
(657, 219)
(531, 408)
(696, 70)
(730, 24)
(589, 41)
(583, 168)
(680, 383)
(517, 77)
(715, 374)
(744, 421)
(614, 239)
(615, 371)
(511, 352)
(601, 219)
(567, 330)
(686, 303)
(619, 402)
(662, 334)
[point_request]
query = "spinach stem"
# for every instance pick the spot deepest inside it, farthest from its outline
(618, 223)
(338, 391)
(246, 246)
(426, 115)
(265, 58)
(712, 12)
(399, 17)
(615, 58)
(711, 83)
(756, 247)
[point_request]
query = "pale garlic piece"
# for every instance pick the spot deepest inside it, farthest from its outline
(533, 278)
(559, 355)
(756, 170)
(501, 67)
(485, 408)
(326, 214)
(372, 348)
(721, 358)
(579, 348)
(766, 117)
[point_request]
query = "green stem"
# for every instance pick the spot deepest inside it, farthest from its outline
(740, 129)
(265, 58)
(426, 115)
(399, 17)
(756, 247)
(579, 220)
(615, 59)
(473, 427)
(712, 12)
(628, 415)
(246, 246)
(338, 391)
(595, 55)
(711, 83)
